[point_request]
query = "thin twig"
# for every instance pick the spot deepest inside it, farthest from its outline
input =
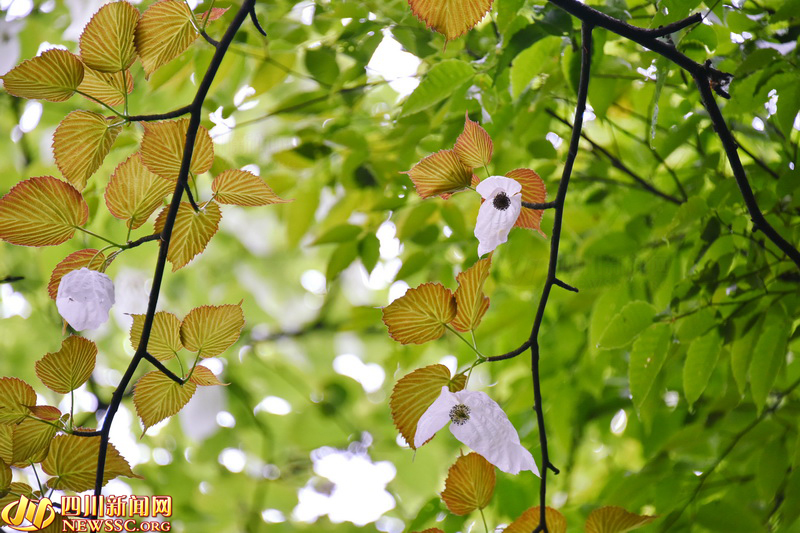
(11, 279)
(676, 26)
(545, 205)
(175, 113)
(164, 370)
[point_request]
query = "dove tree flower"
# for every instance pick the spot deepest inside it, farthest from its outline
(477, 421)
(498, 213)
(84, 298)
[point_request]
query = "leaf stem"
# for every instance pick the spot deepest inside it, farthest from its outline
(465, 341)
(485, 526)
(121, 115)
(86, 231)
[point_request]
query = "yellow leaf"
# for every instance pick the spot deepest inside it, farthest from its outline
(89, 258)
(81, 142)
(191, 232)
(165, 337)
(420, 315)
(204, 377)
(6, 443)
(108, 88)
(107, 40)
(211, 329)
(52, 76)
(527, 522)
(474, 146)
(614, 519)
(72, 460)
(41, 211)
(451, 18)
(134, 193)
(533, 191)
(15, 396)
(163, 143)
(157, 397)
(164, 32)
(440, 173)
(469, 485)
(14, 492)
(471, 304)
(240, 187)
(70, 367)
(5, 476)
(31, 440)
(415, 392)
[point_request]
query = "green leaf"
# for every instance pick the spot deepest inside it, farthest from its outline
(340, 233)
(533, 61)
(695, 325)
(342, 256)
(321, 64)
(701, 358)
(627, 324)
(768, 355)
(742, 352)
(439, 83)
(647, 357)
(773, 464)
(369, 251)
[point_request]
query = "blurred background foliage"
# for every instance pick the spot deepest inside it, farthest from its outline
(653, 217)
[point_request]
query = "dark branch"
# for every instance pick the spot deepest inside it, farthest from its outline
(195, 108)
(213, 42)
(11, 279)
(142, 240)
(564, 285)
(164, 370)
(163, 116)
(190, 197)
(545, 205)
(619, 165)
(256, 23)
(759, 222)
(676, 26)
(561, 195)
(512, 353)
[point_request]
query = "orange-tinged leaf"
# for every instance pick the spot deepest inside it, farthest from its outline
(108, 88)
(69, 368)
(191, 232)
(41, 211)
(157, 397)
(214, 14)
(53, 76)
(204, 377)
(212, 329)
(613, 519)
(134, 193)
(440, 173)
(89, 258)
(415, 392)
(240, 187)
(533, 191)
(471, 304)
(45, 412)
(451, 18)
(72, 461)
(163, 33)
(469, 485)
(527, 522)
(420, 315)
(163, 143)
(165, 336)
(81, 142)
(31, 439)
(432, 530)
(15, 396)
(474, 146)
(107, 40)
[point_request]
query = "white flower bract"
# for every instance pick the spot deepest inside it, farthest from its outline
(498, 212)
(84, 298)
(481, 424)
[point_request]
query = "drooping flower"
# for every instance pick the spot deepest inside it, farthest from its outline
(477, 421)
(84, 298)
(498, 213)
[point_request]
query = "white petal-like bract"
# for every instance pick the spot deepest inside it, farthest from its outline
(481, 424)
(84, 298)
(499, 211)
